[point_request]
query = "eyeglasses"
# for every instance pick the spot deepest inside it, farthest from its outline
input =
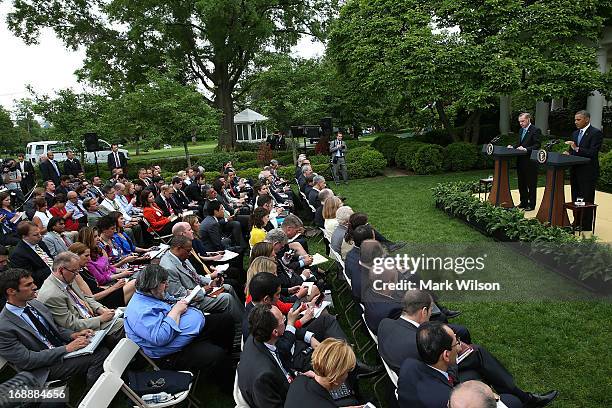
(70, 270)
(458, 343)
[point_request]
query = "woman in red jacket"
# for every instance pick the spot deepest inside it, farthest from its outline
(59, 210)
(154, 215)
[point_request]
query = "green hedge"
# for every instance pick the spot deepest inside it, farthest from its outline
(379, 140)
(605, 172)
(365, 162)
(461, 156)
(405, 153)
(388, 147)
(435, 136)
(583, 257)
(428, 159)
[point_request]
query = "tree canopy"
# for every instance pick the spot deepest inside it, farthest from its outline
(211, 43)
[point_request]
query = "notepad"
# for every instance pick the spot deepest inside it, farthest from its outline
(162, 249)
(193, 293)
(97, 338)
(228, 255)
(318, 259)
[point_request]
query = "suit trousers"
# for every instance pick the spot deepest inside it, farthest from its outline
(339, 168)
(91, 364)
(325, 326)
(208, 352)
(527, 173)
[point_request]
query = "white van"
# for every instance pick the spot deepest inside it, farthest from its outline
(59, 149)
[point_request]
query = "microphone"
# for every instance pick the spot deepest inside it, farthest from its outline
(495, 139)
(551, 143)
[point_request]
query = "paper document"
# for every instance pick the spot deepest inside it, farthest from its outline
(228, 255)
(318, 310)
(17, 217)
(97, 338)
(193, 293)
(318, 259)
(186, 213)
(309, 285)
(162, 250)
(222, 267)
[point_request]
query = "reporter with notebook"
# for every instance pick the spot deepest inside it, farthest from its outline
(70, 307)
(31, 341)
(178, 336)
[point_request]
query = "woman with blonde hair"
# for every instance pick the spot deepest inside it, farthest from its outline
(332, 360)
(260, 264)
(262, 248)
(330, 207)
(268, 264)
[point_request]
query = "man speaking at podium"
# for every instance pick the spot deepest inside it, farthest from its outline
(586, 142)
(527, 169)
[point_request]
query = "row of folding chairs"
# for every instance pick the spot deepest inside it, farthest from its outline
(110, 382)
(345, 285)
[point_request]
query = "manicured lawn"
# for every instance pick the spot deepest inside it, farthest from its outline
(546, 344)
(175, 151)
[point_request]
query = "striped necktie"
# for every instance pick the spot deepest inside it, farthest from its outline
(43, 255)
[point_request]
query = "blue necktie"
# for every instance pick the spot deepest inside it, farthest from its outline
(580, 136)
(523, 134)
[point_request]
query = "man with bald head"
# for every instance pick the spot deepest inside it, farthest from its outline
(79, 214)
(473, 394)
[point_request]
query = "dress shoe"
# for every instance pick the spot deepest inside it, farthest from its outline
(529, 208)
(364, 370)
(452, 313)
(541, 400)
(394, 246)
(522, 205)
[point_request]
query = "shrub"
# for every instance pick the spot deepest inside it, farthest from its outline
(388, 147)
(370, 163)
(435, 136)
(606, 146)
(405, 153)
(380, 139)
(252, 174)
(353, 144)
(244, 156)
(215, 161)
(460, 156)
(318, 159)
(428, 159)
(605, 172)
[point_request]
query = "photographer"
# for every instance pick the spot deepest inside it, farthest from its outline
(11, 177)
(337, 148)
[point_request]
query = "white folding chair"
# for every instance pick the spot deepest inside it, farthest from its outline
(156, 237)
(238, 398)
(102, 392)
(118, 360)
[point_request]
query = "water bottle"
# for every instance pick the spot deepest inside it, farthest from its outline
(156, 398)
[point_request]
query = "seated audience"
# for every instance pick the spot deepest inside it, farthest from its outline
(155, 216)
(75, 206)
(42, 215)
(70, 307)
(8, 220)
(319, 221)
(107, 228)
(215, 297)
(116, 295)
(93, 213)
(175, 335)
(330, 207)
(99, 264)
(318, 184)
(31, 253)
(337, 242)
(56, 238)
(332, 361)
(59, 210)
(123, 238)
(473, 394)
(30, 206)
(427, 382)
(30, 340)
(215, 229)
(259, 219)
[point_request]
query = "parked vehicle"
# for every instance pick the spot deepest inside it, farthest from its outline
(59, 149)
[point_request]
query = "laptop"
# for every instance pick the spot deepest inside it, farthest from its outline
(95, 341)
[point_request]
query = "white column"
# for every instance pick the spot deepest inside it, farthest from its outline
(556, 104)
(541, 116)
(504, 114)
(595, 102)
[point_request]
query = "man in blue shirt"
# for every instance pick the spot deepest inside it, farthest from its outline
(176, 336)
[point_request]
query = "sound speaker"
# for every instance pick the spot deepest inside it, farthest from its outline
(326, 126)
(91, 142)
(297, 131)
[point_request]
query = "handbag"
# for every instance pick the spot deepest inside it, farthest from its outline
(154, 382)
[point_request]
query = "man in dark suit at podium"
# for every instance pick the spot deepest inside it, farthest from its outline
(527, 169)
(586, 142)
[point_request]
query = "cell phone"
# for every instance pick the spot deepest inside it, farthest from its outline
(296, 305)
(319, 300)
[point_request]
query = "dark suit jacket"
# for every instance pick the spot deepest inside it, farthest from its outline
(260, 379)
(391, 350)
(313, 198)
(73, 167)
(420, 386)
(28, 181)
(24, 257)
(112, 164)
(379, 307)
(47, 172)
(354, 271)
(20, 345)
(210, 234)
(531, 141)
(162, 206)
(306, 392)
(181, 199)
(194, 192)
(589, 147)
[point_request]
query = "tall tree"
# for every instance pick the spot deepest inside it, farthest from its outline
(211, 42)
(7, 131)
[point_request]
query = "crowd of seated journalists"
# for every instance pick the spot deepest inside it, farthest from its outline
(74, 254)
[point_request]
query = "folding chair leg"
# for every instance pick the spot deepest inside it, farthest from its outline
(376, 384)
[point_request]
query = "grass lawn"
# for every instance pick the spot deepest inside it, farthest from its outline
(175, 151)
(545, 343)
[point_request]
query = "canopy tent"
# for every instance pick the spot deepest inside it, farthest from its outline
(250, 127)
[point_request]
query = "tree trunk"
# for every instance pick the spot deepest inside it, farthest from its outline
(445, 122)
(476, 128)
(138, 145)
(187, 153)
(472, 125)
(225, 103)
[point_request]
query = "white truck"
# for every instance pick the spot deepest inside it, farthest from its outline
(59, 149)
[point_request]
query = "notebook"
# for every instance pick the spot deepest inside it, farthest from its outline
(97, 338)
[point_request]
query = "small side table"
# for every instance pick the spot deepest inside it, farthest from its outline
(486, 183)
(578, 211)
